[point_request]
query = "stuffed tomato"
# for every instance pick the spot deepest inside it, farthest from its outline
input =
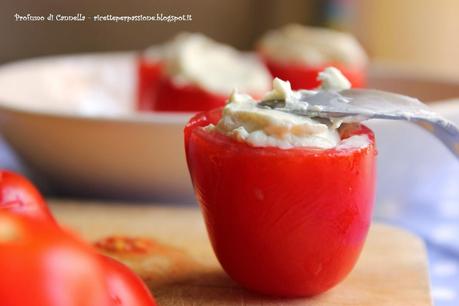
(158, 92)
(305, 77)
(193, 73)
(282, 222)
(287, 199)
(298, 53)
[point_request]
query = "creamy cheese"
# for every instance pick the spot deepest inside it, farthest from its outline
(356, 141)
(332, 79)
(312, 46)
(244, 121)
(196, 59)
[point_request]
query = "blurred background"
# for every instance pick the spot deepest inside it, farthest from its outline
(415, 37)
(419, 34)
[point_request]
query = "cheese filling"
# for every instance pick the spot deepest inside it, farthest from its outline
(195, 59)
(312, 46)
(244, 121)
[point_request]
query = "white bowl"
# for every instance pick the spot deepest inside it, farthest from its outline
(72, 120)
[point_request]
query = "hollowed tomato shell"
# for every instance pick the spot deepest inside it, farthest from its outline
(285, 223)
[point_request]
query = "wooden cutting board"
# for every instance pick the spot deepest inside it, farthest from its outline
(168, 247)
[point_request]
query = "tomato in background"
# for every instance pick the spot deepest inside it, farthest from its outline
(19, 195)
(157, 92)
(148, 76)
(305, 77)
(125, 287)
(185, 98)
(282, 222)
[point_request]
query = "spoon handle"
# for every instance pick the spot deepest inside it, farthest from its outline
(444, 130)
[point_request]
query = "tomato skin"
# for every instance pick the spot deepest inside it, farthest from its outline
(19, 195)
(148, 76)
(185, 98)
(282, 222)
(42, 265)
(305, 77)
(125, 287)
(158, 92)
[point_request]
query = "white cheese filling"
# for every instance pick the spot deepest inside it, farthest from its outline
(198, 60)
(312, 46)
(244, 121)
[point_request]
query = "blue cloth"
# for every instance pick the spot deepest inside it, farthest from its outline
(436, 220)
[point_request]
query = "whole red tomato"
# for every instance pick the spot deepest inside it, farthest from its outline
(305, 77)
(125, 287)
(51, 265)
(42, 265)
(18, 195)
(282, 222)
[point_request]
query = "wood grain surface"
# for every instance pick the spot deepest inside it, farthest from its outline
(175, 259)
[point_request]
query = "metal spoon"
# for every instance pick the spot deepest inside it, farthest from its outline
(362, 104)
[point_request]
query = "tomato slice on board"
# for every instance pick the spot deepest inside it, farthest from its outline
(282, 222)
(19, 195)
(305, 77)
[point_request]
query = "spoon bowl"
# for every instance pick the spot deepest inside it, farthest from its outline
(353, 105)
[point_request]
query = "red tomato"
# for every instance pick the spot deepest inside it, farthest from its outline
(159, 93)
(125, 287)
(282, 222)
(185, 98)
(18, 195)
(305, 77)
(148, 75)
(42, 265)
